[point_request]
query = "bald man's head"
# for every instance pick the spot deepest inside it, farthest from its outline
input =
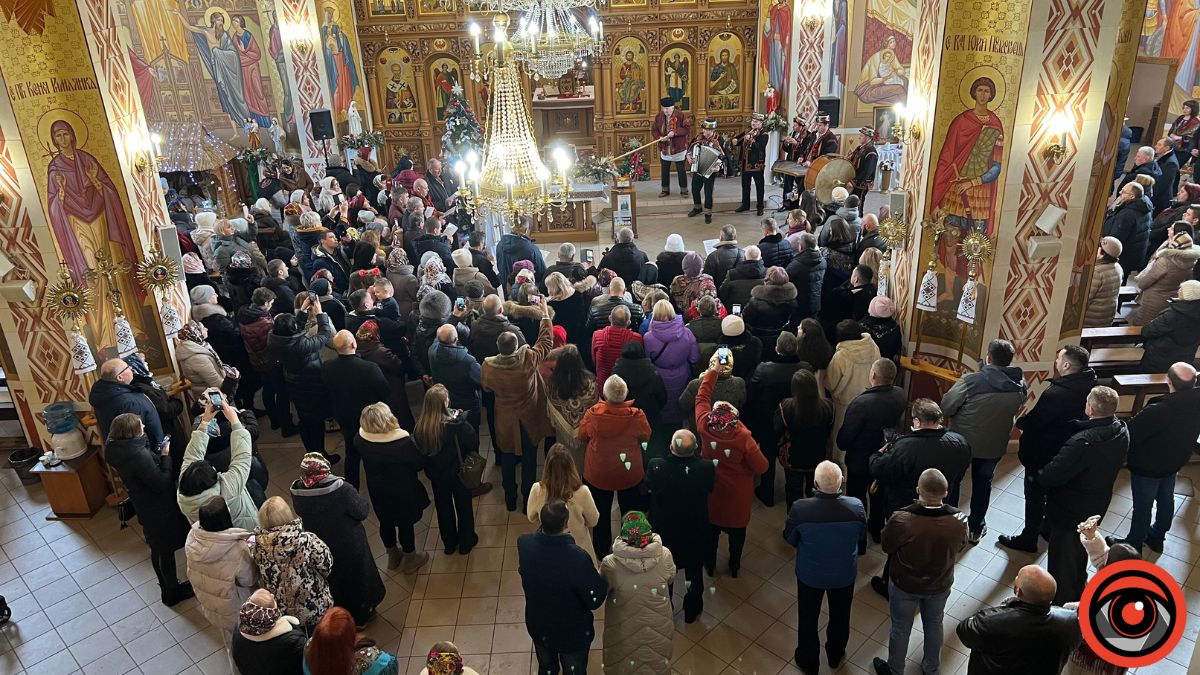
(447, 334)
(343, 342)
(683, 443)
(492, 305)
(116, 370)
(1035, 585)
(828, 478)
(506, 343)
(1181, 376)
(932, 487)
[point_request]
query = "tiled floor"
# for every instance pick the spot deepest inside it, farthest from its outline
(84, 597)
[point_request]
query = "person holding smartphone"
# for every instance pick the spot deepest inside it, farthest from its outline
(199, 480)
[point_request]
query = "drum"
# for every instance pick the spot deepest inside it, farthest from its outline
(706, 160)
(793, 169)
(827, 172)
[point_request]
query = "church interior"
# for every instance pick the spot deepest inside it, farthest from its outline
(1001, 139)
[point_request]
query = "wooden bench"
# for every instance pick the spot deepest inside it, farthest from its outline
(1139, 386)
(1126, 293)
(1112, 361)
(1094, 337)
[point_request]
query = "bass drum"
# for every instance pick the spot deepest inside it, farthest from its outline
(827, 172)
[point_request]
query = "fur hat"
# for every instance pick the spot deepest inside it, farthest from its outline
(461, 257)
(732, 326)
(776, 276)
(709, 123)
(881, 307)
(1112, 246)
(1189, 290)
(821, 118)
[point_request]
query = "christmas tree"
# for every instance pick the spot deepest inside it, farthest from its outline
(463, 132)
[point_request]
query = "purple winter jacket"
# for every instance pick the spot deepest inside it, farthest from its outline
(672, 348)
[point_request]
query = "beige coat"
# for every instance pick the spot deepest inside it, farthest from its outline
(1159, 282)
(848, 375)
(520, 395)
(1102, 298)
(221, 573)
(200, 364)
(638, 629)
(583, 515)
(465, 275)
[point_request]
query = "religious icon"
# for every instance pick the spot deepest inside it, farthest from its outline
(884, 77)
(428, 7)
(387, 7)
(231, 55)
(631, 77)
(776, 43)
(339, 59)
(885, 121)
(724, 80)
(400, 98)
(677, 79)
(968, 168)
(446, 76)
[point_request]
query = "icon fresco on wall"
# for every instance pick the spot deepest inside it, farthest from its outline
(395, 72)
(436, 7)
(677, 76)
(630, 55)
(339, 59)
(776, 43)
(231, 56)
(387, 7)
(445, 76)
(724, 75)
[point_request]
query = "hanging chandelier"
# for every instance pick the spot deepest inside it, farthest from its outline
(550, 38)
(510, 179)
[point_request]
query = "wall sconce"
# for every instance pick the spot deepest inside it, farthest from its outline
(291, 31)
(1058, 124)
(813, 14)
(906, 133)
(144, 161)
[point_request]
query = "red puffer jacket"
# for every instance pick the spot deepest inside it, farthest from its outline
(739, 462)
(606, 349)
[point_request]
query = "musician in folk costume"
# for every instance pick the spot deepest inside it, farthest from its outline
(672, 129)
(794, 148)
(865, 159)
(824, 140)
(752, 144)
(705, 156)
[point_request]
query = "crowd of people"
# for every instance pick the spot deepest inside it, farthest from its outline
(677, 387)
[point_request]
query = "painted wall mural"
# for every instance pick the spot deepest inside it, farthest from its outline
(976, 106)
(775, 46)
(725, 58)
(343, 65)
(883, 63)
(398, 83)
(678, 67)
(629, 76)
(1170, 29)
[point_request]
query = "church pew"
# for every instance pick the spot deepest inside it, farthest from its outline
(1095, 337)
(1111, 361)
(1140, 386)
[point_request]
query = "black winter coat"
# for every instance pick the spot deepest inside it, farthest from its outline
(1079, 480)
(572, 314)
(110, 398)
(458, 438)
(1019, 637)
(351, 384)
(334, 511)
(223, 335)
(1162, 437)
(868, 416)
(626, 260)
(1167, 184)
(481, 262)
(300, 357)
(747, 353)
(1171, 337)
(770, 311)
(1047, 425)
(708, 334)
(646, 388)
(285, 297)
(768, 385)
(721, 260)
(147, 476)
(453, 367)
(1130, 222)
(279, 655)
(776, 251)
(562, 589)
(670, 265)
(679, 491)
(808, 433)
(437, 244)
(898, 469)
(602, 307)
(484, 332)
(806, 271)
(887, 336)
(391, 464)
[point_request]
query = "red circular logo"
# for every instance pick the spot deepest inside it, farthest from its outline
(1132, 613)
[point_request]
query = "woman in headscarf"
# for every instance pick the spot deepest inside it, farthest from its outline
(394, 367)
(445, 659)
(199, 363)
(330, 196)
(434, 278)
(638, 628)
(670, 261)
(404, 282)
(268, 641)
(685, 287)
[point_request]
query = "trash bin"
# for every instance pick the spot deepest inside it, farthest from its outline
(22, 461)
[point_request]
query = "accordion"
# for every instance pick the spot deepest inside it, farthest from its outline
(706, 160)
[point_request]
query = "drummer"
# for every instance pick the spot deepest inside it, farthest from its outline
(701, 183)
(793, 148)
(672, 129)
(824, 141)
(864, 158)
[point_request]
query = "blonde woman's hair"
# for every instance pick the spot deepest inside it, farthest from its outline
(431, 426)
(652, 297)
(556, 283)
(274, 513)
(663, 311)
(377, 418)
(871, 257)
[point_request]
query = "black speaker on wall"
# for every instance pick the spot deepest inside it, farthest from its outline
(322, 124)
(828, 105)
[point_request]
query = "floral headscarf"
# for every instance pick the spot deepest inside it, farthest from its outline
(314, 468)
(433, 274)
(254, 619)
(723, 416)
(367, 332)
(397, 258)
(192, 331)
(443, 663)
(635, 529)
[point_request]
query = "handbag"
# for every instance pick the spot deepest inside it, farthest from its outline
(471, 470)
(126, 512)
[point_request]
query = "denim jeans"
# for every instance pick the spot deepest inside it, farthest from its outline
(1148, 492)
(903, 607)
(982, 471)
(572, 663)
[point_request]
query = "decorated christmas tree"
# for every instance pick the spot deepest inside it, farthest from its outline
(463, 132)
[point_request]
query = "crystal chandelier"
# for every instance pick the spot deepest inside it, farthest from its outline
(550, 39)
(511, 180)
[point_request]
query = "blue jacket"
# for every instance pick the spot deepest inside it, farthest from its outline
(562, 589)
(453, 367)
(512, 248)
(827, 531)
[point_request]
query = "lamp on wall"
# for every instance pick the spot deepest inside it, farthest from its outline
(148, 154)
(1058, 124)
(813, 13)
(907, 127)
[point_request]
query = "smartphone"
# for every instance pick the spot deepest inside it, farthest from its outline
(245, 211)
(724, 356)
(216, 400)
(460, 304)
(737, 310)
(312, 297)
(166, 441)
(535, 299)
(588, 255)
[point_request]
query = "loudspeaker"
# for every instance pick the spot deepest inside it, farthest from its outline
(322, 124)
(828, 105)
(168, 240)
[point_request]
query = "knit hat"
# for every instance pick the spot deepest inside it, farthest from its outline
(434, 305)
(461, 257)
(1112, 246)
(202, 295)
(522, 265)
(368, 331)
(321, 287)
(723, 416)
(1189, 290)
(674, 244)
(560, 336)
(692, 264)
(776, 276)
(240, 260)
(192, 264)
(475, 290)
(635, 529)
(239, 225)
(206, 220)
(840, 193)
(881, 307)
(732, 326)
(255, 619)
(314, 468)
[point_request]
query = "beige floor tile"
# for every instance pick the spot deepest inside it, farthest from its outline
(480, 584)
(511, 637)
(510, 608)
(477, 611)
(698, 661)
(757, 661)
(725, 642)
(444, 585)
(474, 639)
(438, 612)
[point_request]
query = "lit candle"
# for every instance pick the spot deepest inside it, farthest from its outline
(460, 168)
(543, 177)
(155, 140)
(509, 180)
(475, 31)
